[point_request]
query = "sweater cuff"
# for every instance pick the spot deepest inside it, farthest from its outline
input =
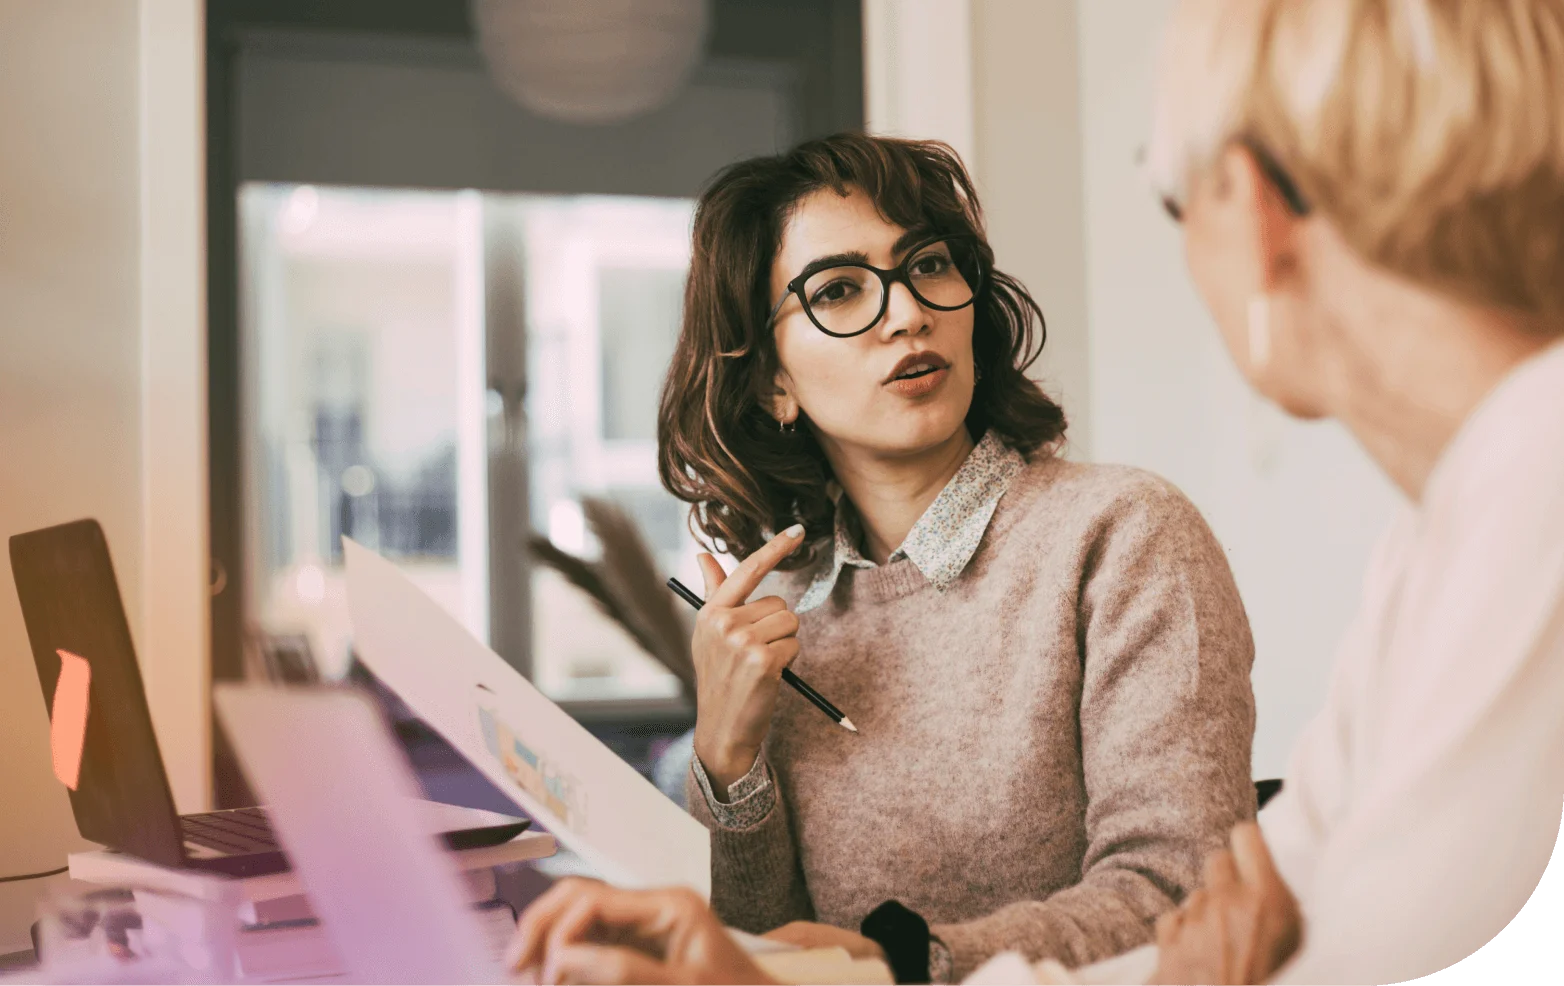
(940, 964)
(962, 951)
(753, 796)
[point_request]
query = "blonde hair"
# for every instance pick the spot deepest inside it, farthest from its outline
(1430, 132)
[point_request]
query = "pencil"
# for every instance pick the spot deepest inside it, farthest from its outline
(816, 699)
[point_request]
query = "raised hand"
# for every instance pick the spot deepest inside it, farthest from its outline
(740, 650)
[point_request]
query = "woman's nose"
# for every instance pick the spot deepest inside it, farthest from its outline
(903, 314)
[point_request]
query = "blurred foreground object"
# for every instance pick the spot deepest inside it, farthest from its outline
(593, 63)
(279, 658)
(101, 936)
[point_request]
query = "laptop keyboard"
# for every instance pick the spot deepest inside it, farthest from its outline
(236, 833)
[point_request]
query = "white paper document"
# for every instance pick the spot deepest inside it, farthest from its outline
(824, 967)
(1135, 966)
(1012, 969)
(530, 748)
(1005, 969)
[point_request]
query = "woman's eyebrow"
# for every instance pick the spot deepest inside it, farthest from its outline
(910, 238)
(832, 260)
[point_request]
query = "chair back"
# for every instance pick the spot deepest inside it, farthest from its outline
(1266, 790)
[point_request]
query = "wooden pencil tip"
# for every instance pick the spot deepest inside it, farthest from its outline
(847, 724)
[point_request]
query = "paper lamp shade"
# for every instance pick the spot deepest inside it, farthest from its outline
(591, 61)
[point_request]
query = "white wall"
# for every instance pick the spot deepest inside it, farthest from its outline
(1060, 103)
(101, 371)
(1027, 123)
(996, 79)
(1296, 505)
(918, 71)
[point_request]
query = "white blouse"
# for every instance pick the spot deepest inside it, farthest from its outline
(1422, 805)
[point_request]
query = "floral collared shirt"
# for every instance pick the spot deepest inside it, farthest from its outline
(945, 538)
(940, 545)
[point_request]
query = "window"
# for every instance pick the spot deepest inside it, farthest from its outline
(340, 137)
(365, 335)
(603, 291)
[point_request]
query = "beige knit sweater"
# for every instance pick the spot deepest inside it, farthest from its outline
(1048, 748)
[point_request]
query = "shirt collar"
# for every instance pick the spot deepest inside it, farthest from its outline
(1506, 416)
(944, 539)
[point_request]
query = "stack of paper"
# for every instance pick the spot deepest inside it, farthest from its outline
(303, 952)
(105, 866)
(278, 938)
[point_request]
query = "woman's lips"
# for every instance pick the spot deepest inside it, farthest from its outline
(919, 386)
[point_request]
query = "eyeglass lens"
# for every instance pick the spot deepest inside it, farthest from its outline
(850, 300)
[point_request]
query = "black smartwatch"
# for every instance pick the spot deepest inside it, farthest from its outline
(904, 936)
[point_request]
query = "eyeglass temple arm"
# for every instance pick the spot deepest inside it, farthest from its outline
(785, 295)
(1288, 189)
(1280, 180)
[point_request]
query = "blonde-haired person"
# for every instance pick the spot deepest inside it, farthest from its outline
(1372, 200)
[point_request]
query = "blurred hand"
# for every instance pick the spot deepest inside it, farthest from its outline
(583, 931)
(1240, 927)
(809, 934)
(739, 651)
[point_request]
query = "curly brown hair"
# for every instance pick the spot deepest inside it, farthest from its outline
(718, 447)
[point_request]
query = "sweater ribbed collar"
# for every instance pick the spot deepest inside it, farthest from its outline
(944, 539)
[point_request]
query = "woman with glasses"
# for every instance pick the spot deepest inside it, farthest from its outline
(1047, 663)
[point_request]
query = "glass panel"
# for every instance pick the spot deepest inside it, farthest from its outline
(361, 331)
(638, 311)
(368, 411)
(604, 292)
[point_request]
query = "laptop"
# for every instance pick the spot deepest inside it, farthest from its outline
(121, 796)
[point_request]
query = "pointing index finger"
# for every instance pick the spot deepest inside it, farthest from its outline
(746, 577)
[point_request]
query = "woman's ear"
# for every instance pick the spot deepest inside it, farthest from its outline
(784, 406)
(1258, 211)
(1268, 265)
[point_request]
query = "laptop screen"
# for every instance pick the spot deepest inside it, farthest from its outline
(71, 602)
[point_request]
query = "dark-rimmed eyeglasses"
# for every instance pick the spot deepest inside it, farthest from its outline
(848, 298)
(1274, 173)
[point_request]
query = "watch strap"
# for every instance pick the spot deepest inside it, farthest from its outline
(904, 935)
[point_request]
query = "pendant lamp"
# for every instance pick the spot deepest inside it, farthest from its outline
(591, 61)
